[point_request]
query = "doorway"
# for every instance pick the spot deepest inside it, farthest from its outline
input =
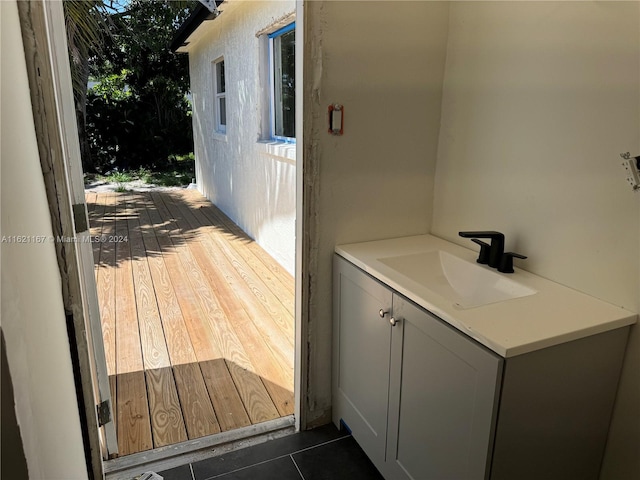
(161, 212)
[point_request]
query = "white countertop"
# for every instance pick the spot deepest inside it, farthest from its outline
(554, 315)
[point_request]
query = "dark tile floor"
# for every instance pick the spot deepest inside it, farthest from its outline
(320, 454)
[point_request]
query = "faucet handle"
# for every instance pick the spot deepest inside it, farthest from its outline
(482, 234)
(483, 257)
(506, 262)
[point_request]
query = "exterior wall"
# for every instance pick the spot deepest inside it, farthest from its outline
(251, 180)
(33, 320)
(539, 100)
(384, 62)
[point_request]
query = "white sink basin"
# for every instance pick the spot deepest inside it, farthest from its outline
(466, 284)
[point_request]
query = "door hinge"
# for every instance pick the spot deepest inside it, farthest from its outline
(80, 217)
(104, 412)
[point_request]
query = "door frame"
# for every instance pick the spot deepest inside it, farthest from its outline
(300, 366)
(45, 45)
(44, 37)
(62, 82)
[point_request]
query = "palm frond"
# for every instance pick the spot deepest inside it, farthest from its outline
(87, 25)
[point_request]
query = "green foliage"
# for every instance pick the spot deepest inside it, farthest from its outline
(178, 172)
(112, 87)
(120, 177)
(138, 113)
(144, 174)
(87, 24)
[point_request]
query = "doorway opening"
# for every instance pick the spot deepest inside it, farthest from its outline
(164, 259)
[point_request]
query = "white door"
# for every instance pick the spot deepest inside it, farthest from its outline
(56, 35)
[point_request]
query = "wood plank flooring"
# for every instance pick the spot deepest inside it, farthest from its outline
(197, 319)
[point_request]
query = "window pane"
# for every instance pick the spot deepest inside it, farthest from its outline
(220, 77)
(223, 110)
(285, 86)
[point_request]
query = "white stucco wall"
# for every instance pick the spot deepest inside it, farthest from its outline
(250, 180)
(540, 98)
(33, 318)
(384, 62)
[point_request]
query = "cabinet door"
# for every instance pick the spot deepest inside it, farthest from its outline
(444, 390)
(361, 349)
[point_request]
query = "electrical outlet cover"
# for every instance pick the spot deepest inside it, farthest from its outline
(632, 173)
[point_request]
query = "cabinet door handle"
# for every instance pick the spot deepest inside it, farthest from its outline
(383, 312)
(394, 321)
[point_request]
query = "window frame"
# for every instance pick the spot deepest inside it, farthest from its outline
(218, 96)
(272, 83)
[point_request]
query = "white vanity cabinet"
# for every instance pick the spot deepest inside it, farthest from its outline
(418, 396)
(427, 402)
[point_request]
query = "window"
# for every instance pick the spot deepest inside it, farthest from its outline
(220, 96)
(282, 45)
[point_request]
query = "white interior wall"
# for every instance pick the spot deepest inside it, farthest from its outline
(540, 98)
(251, 181)
(33, 319)
(384, 62)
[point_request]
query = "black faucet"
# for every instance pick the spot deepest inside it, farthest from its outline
(496, 249)
(494, 254)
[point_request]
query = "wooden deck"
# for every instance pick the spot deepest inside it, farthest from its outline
(197, 320)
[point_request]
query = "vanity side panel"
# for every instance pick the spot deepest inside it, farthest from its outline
(555, 409)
